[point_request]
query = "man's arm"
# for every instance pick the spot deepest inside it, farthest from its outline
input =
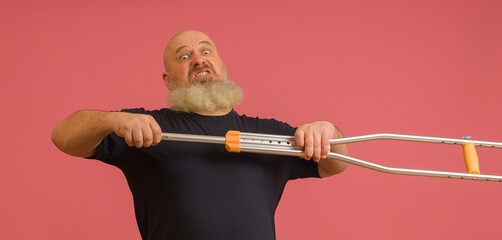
(80, 134)
(314, 138)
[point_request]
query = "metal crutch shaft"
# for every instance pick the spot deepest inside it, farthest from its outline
(285, 145)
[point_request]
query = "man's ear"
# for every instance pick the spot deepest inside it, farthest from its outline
(223, 64)
(165, 76)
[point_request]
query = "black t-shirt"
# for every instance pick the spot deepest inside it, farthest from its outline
(184, 190)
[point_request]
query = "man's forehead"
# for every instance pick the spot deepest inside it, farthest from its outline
(188, 38)
(202, 42)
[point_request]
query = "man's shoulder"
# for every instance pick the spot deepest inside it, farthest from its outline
(269, 125)
(260, 118)
(142, 110)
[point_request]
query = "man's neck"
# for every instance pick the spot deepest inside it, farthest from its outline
(214, 113)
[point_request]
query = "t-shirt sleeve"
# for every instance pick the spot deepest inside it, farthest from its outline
(112, 146)
(301, 168)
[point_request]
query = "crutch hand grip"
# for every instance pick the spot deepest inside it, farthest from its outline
(471, 158)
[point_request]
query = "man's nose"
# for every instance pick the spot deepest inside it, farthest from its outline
(198, 60)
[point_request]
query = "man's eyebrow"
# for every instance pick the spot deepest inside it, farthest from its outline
(201, 42)
(179, 49)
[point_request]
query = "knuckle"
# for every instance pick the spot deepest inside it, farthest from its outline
(157, 131)
(299, 133)
(127, 127)
(144, 119)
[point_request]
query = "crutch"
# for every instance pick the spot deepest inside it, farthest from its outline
(236, 141)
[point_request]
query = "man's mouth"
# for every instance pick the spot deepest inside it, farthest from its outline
(203, 73)
(203, 76)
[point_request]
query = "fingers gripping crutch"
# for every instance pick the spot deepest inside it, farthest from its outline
(236, 141)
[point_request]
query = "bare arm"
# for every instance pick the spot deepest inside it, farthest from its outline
(80, 134)
(314, 137)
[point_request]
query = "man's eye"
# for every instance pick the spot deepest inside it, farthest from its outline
(206, 52)
(184, 57)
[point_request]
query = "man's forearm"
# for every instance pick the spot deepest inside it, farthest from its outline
(79, 134)
(329, 167)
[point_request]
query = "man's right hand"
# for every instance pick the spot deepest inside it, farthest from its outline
(80, 133)
(139, 130)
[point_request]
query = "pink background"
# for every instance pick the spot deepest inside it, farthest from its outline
(430, 68)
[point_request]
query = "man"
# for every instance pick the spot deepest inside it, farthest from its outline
(197, 190)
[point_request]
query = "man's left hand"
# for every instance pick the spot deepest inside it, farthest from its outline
(314, 138)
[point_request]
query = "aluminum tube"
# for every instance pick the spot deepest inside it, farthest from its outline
(266, 137)
(415, 172)
(268, 146)
(380, 168)
(275, 140)
(388, 136)
(193, 138)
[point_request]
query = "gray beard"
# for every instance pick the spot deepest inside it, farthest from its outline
(220, 95)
